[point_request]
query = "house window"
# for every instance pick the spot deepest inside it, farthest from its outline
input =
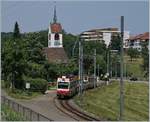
(131, 43)
(56, 36)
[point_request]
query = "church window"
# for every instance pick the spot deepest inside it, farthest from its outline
(56, 36)
(49, 43)
(56, 43)
(49, 37)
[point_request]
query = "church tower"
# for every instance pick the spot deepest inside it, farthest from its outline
(55, 33)
(55, 52)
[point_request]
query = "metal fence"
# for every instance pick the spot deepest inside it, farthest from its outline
(26, 112)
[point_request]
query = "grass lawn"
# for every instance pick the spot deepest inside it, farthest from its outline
(104, 101)
(134, 67)
(7, 114)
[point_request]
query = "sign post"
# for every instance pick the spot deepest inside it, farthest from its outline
(28, 87)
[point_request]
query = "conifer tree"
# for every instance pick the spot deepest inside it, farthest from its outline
(16, 33)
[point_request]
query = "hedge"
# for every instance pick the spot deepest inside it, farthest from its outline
(37, 84)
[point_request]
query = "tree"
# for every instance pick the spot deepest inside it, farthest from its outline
(133, 53)
(71, 67)
(50, 71)
(145, 56)
(13, 59)
(13, 62)
(102, 64)
(115, 43)
(34, 49)
(88, 64)
(16, 33)
(89, 46)
(68, 43)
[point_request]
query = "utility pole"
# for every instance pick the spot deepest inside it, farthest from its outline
(94, 68)
(116, 69)
(111, 67)
(121, 74)
(107, 60)
(125, 70)
(74, 46)
(98, 69)
(80, 67)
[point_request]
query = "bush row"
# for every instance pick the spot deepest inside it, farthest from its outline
(36, 84)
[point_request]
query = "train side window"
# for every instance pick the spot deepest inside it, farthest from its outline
(70, 84)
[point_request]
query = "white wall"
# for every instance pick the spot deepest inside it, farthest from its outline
(107, 38)
(52, 40)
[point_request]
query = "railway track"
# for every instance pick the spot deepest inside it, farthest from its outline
(65, 107)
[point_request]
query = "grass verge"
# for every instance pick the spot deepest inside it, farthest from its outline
(7, 114)
(20, 94)
(134, 68)
(52, 87)
(104, 102)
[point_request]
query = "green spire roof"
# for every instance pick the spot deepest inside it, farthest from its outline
(55, 16)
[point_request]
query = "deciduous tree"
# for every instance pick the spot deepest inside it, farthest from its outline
(133, 53)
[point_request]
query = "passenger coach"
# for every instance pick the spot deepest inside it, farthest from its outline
(67, 86)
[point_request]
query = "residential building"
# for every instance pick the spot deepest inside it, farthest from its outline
(104, 34)
(135, 41)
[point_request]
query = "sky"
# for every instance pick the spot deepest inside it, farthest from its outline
(75, 16)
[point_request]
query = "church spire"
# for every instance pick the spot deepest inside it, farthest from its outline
(55, 16)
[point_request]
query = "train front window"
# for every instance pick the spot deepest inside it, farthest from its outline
(63, 85)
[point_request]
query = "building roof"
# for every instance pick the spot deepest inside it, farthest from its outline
(103, 29)
(144, 36)
(56, 28)
(131, 38)
(97, 33)
(55, 55)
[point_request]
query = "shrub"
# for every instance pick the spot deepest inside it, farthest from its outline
(37, 84)
(6, 84)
